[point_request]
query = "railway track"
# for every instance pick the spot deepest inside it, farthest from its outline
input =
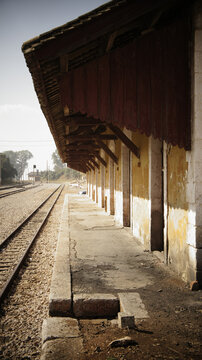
(12, 192)
(15, 248)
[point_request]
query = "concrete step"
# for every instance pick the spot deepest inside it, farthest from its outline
(132, 304)
(95, 305)
(61, 339)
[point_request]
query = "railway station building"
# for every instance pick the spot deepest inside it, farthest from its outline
(121, 90)
(34, 176)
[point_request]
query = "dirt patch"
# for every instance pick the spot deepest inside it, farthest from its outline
(173, 330)
(154, 340)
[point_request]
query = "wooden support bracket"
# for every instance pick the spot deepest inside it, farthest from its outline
(130, 145)
(90, 165)
(103, 162)
(110, 42)
(66, 129)
(87, 167)
(95, 163)
(66, 110)
(108, 151)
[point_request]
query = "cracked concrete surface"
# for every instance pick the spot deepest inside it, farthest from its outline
(104, 256)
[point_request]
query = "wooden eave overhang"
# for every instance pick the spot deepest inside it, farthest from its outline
(49, 56)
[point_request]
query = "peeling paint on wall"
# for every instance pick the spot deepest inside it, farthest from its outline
(140, 190)
(177, 209)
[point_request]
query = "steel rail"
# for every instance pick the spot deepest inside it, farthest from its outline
(4, 242)
(6, 187)
(12, 276)
(16, 191)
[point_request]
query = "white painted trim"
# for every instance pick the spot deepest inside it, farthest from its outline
(165, 200)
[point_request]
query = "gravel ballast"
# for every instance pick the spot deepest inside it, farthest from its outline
(25, 308)
(15, 208)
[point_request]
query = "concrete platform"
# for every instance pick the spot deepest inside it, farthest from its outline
(60, 299)
(97, 272)
(104, 256)
(95, 261)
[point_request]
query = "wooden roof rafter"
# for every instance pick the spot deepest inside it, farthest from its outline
(106, 19)
(82, 146)
(90, 138)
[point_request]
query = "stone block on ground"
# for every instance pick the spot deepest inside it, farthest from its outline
(61, 339)
(59, 327)
(62, 349)
(126, 320)
(95, 305)
(60, 298)
(132, 303)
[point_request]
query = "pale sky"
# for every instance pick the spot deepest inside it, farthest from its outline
(22, 123)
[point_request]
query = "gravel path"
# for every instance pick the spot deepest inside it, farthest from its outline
(15, 208)
(26, 307)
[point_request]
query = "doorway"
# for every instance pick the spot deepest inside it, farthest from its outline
(156, 194)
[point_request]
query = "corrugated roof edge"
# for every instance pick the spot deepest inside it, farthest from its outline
(31, 44)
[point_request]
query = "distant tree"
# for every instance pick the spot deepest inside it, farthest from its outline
(62, 170)
(72, 174)
(12, 155)
(8, 172)
(19, 160)
(22, 161)
(57, 162)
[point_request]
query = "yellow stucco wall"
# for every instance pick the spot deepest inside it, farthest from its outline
(177, 208)
(107, 171)
(118, 166)
(93, 185)
(107, 199)
(96, 187)
(140, 190)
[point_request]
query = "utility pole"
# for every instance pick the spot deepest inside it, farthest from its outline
(47, 172)
(34, 167)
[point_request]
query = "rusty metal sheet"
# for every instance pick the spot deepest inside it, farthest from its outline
(143, 86)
